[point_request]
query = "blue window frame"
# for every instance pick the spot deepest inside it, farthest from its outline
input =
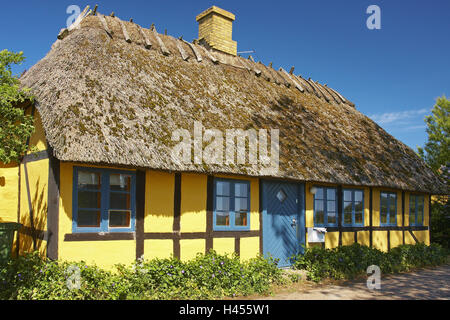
(416, 209)
(103, 200)
(231, 205)
(352, 207)
(388, 209)
(325, 207)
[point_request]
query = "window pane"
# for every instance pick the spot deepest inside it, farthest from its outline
(331, 194)
(222, 219)
(88, 219)
(241, 190)
(119, 219)
(383, 217)
(120, 182)
(419, 210)
(240, 204)
(319, 214)
(384, 207)
(319, 193)
(347, 195)
(358, 217)
(88, 199)
(318, 205)
(412, 209)
(392, 208)
(359, 206)
(89, 180)
(358, 212)
(331, 217)
(223, 188)
(222, 203)
(240, 219)
(331, 206)
(119, 201)
(348, 212)
(358, 195)
(392, 218)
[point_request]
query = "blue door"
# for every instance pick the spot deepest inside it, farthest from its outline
(283, 220)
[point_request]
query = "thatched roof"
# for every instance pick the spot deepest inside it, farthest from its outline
(111, 92)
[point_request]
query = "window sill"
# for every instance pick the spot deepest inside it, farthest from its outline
(99, 236)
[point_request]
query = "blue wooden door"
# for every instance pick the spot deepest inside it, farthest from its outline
(283, 220)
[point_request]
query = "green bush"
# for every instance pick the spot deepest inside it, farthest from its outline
(205, 277)
(347, 262)
(440, 222)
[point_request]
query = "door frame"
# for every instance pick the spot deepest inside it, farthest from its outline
(301, 216)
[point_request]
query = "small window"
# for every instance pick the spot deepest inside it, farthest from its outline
(353, 207)
(325, 206)
(388, 209)
(231, 205)
(416, 209)
(103, 200)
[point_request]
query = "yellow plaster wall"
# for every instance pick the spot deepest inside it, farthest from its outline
(407, 194)
(193, 202)
(38, 139)
(159, 200)
(9, 177)
(396, 238)
(380, 240)
(254, 204)
(366, 207)
(309, 207)
(364, 238)
(224, 245)
(37, 174)
(376, 207)
(348, 238)
(422, 236)
(189, 248)
(249, 248)
(158, 248)
(399, 209)
(331, 239)
(426, 210)
(104, 254)
(36, 196)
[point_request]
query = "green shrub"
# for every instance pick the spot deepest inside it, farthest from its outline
(347, 262)
(440, 222)
(205, 277)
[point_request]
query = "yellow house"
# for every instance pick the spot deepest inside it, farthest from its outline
(153, 146)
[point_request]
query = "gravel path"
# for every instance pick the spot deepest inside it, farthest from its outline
(431, 283)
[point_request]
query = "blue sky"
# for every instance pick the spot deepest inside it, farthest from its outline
(393, 75)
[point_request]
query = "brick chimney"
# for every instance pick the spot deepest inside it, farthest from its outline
(215, 27)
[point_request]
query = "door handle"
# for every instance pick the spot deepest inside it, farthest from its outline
(294, 222)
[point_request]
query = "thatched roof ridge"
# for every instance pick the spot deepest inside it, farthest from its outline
(110, 92)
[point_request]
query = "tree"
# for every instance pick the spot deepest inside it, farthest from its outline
(15, 126)
(437, 150)
(437, 155)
